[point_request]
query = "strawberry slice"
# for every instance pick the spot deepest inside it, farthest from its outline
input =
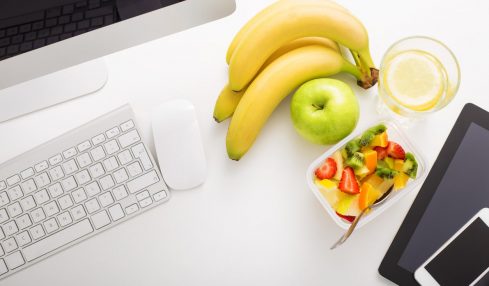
(395, 151)
(348, 183)
(346, 217)
(381, 152)
(327, 169)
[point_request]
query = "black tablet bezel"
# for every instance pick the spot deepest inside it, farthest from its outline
(389, 267)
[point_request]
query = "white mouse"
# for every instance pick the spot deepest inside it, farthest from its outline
(178, 144)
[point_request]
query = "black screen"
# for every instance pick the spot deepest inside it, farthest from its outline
(462, 192)
(464, 259)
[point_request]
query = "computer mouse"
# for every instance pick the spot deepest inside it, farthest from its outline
(178, 144)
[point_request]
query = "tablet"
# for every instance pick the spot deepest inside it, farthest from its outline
(456, 188)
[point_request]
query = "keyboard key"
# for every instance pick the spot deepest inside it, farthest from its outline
(83, 177)
(9, 245)
(41, 166)
(146, 202)
(100, 219)
(4, 199)
(92, 4)
(14, 260)
(28, 203)
(116, 212)
(56, 173)
(15, 193)
(14, 49)
(41, 197)
(98, 139)
(3, 215)
(159, 196)
(129, 138)
(120, 192)
(107, 182)
(42, 33)
(42, 180)
(15, 179)
(64, 19)
(55, 160)
(65, 36)
(64, 219)
(23, 238)
(111, 147)
(96, 170)
(29, 186)
(125, 157)
(79, 195)
(51, 225)
(142, 195)
(39, 43)
(83, 24)
(38, 215)
(92, 206)
(3, 186)
(140, 152)
(51, 22)
(98, 153)
(75, 18)
(127, 125)
(52, 40)
(84, 146)
(30, 36)
(110, 164)
(65, 202)
(121, 176)
(3, 266)
(78, 212)
(56, 30)
(143, 182)
(55, 190)
(132, 209)
(2, 236)
(70, 167)
(134, 169)
(12, 31)
(37, 232)
(84, 160)
(69, 184)
(92, 189)
(38, 25)
(4, 42)
(57, 240)
(25, 28)
(10, 228)
(27, 173)
(17, 39)
(69, 153)
(71, 27)
(109, 19)
(106, 199)
(97, 22)
(14, 209)
(112, 132)
(51, 208)
(23, 221)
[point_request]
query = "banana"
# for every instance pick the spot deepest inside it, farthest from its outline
(311, 18)
(228, 99)
(272, 85)
(267, 14)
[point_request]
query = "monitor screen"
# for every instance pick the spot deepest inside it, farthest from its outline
(26, 25)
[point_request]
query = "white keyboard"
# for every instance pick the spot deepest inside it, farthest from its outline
(74, 187)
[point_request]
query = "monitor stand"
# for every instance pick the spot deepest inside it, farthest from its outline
(52, 89)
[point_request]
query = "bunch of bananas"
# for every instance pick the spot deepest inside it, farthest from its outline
(288, 43)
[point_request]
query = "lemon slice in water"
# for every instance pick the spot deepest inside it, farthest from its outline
(415, 79)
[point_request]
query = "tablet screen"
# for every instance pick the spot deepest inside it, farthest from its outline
(464, 259)
(462, 192)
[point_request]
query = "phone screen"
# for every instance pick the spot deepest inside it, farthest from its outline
(464, 259)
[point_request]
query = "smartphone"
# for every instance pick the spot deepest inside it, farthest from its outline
(463, 259)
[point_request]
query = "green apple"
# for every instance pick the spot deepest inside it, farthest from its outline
(324, 111)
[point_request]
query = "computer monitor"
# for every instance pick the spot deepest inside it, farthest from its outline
(50, 49)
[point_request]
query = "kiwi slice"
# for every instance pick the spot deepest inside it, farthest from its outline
(410, 166)
(356, 161)
(386, 173)
(366, 138)
(379, 129)
(352, 147)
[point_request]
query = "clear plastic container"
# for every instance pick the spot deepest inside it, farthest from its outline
(395, 134)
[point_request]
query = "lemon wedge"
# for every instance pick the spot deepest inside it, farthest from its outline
(415, 79)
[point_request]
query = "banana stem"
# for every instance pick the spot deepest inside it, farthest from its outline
(370, 74)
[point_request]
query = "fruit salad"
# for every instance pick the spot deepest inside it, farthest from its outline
(357, 175)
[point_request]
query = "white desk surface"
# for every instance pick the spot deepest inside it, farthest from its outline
(253, 222)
